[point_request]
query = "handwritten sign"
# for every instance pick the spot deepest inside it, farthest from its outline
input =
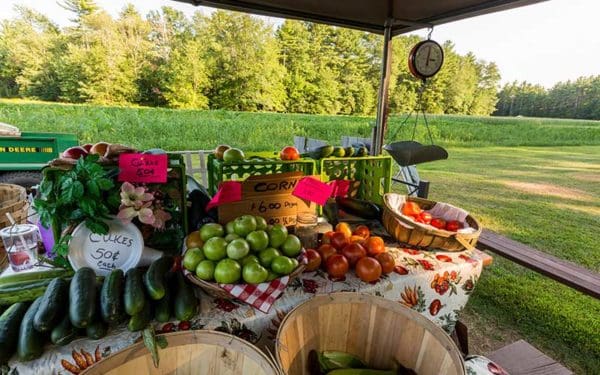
(143, 168)
(340, 188)
(313, 190)
(269, 196)
(229, 191)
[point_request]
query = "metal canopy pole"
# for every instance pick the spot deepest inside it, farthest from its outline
(382, 98)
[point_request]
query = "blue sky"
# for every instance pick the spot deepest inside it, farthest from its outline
(543, 43)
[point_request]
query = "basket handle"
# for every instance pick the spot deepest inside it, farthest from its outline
(464, 242)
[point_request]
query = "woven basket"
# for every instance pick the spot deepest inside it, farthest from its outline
(11, 194)
(409, 232)
(214, 290)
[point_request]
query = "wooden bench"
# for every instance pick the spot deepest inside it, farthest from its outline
(521, 358)
(565, 272)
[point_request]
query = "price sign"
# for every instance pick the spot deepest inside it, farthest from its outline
(145, 168)
(269, 196)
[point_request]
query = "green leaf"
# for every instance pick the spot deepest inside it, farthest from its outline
(77, 190)
(105, 183)
(46, 187)
(88, 206)
(77, 215)
(150, 342)
(93, 189)
(96, 226)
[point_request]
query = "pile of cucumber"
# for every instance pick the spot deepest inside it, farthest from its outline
(87, 305)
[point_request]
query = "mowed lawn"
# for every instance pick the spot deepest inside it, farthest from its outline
(548, 198)
(534, 180)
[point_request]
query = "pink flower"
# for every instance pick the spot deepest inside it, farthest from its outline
(132, 196)
(160, 218)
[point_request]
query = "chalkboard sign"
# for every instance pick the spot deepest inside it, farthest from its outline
(269, 196)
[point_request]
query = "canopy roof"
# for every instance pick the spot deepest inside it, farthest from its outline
(370, 15)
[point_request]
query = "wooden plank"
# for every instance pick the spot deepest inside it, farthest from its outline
(521, 358)
(565, 272)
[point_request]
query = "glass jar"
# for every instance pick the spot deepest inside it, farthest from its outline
(21, 244)
(306, 229)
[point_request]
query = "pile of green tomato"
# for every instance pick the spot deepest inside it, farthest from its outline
(245, 250)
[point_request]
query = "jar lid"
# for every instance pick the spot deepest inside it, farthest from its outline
(306, 218)
(18, 230)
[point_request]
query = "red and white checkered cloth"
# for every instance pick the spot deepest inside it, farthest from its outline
(260, 296)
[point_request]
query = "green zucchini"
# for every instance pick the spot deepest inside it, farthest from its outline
(82, 297)
(31, 342)
(64, 332)
(53, 306)
(141, 320)
(111, 297)
(23, 291)
(134, 299)
(10, 321)
(154, 279)
(186, 302)
(35, 275)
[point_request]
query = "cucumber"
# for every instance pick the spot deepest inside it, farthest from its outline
(82, 297)
(154, 279)
(31, 342)
(162, 308)
(141, 320)
(111, 297)
(53, 306)
(35, 275)
(186, 302)
(134, 299)
(22, 291)
(10, 320)
(96, 330)
(64, 332)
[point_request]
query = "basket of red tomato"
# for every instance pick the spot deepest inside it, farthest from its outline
(428, 224)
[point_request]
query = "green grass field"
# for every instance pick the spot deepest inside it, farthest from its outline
(535, 180)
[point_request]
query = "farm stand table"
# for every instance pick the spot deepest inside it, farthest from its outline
(437, 285)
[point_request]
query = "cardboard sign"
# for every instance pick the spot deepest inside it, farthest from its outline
(145, 168)
(269, 196)
(313, 190)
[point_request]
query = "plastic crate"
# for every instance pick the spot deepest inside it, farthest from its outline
(373, 174)
(256, 163)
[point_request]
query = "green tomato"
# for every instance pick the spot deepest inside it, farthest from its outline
(258, 240)
(205, 270)
(237, 249)
(254, 273)
(244, 224)
(249, 259)
(228, 271)
(191, 258)
(282, 265)
(215, 248)
(230, 227)
(291, 246)
(231, 236)
(261, 223)
(272, 276)
(211, 230)
(267, 255)
(277, 235)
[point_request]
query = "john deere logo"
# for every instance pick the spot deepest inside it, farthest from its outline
(26, 149)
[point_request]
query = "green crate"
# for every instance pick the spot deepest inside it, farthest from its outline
(256, 164)
(373, 172)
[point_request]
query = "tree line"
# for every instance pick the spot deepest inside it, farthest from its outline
(578, 99)
(224, 60)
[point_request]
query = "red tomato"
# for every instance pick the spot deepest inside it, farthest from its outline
(438, 223)
(327, 237)
(425, 216)
(289, 153)
(411, 209)
(339, 240)
(368, 269)
(354, 252)
(337, 265)
(362, 231)
(387, 262)
(184, 325)
(453, 225)
(375, 245)
(325, 251)
(344, 228)
(357, 239)
(314, 260)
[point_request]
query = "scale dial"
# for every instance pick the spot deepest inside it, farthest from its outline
(426, 59)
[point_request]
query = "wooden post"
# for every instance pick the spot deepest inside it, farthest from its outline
(382, 99)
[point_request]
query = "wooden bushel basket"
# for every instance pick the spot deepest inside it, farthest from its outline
(379, 331)
(190, 352)
(407, 231)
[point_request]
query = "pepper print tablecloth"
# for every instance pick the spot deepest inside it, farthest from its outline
(436, 284)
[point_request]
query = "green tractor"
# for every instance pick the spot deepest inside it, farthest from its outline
(23, 155)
